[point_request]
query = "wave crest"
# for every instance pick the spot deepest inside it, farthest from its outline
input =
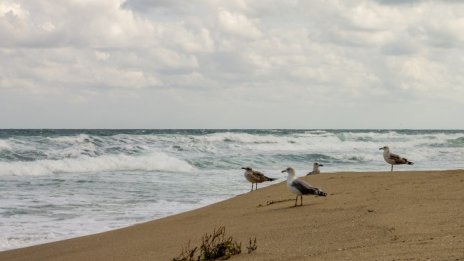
(155, 161)
(4, 145)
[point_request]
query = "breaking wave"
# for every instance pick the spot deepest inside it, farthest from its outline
(105, 163)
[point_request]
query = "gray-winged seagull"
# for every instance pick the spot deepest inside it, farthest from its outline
(393, 159)
(255, 177)
(316, 169)
(299, 187)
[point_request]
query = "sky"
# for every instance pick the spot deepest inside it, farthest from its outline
(319, 64)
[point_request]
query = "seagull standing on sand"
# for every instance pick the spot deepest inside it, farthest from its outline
(316, 170)
(393, 159)
(255, 177)
(299, 187)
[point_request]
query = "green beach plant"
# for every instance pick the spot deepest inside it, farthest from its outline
(187, 254)
(217, 245)
(214, 246)
(252, 246)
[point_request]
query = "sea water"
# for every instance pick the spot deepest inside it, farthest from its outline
(58, 184)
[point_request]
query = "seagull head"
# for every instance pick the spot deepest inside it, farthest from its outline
(317, 164)
(247, 168)
(385, 148)
(290, 171)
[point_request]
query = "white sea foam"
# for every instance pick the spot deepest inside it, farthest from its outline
(99, 215)
(4, 145)
(155, 161)
(242, 138)
(71, 139)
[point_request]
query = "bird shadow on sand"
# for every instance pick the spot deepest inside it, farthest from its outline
(273, 202)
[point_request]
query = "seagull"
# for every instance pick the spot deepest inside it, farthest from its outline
(255, 177)
(316, 170)
(299, 187)
(393, 159)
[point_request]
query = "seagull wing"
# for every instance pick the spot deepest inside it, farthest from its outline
(397, 159)
(304, 187)
(258, 175)
(261, 177)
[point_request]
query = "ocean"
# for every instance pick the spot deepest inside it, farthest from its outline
(58, 184)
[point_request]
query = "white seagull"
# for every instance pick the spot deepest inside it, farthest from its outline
(255, 177)
(393, 159)
(316, 169)
(300, 187)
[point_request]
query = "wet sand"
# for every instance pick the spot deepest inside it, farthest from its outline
(404, 215)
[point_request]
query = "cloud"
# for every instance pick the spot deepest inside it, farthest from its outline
(409, 2)
(246, 57)
(399, 2)
(237, 24)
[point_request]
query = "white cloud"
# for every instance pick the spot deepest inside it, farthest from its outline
(237, 24)
(248, 59)
(102, 56)
(8, 8)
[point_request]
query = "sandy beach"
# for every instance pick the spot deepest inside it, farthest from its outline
(405, 215)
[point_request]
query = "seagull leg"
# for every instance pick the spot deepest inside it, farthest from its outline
(256, 186)
(296, 200)
(392, 168)
(251, 187)
(301, 200)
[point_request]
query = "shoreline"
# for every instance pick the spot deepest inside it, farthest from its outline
(366, 216)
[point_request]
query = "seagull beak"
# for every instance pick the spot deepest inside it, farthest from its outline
(380, 148)
(284, 171)
(243, 168)
(320, 165)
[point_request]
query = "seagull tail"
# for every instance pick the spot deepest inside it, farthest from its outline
(410, 163)
(270, 179)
